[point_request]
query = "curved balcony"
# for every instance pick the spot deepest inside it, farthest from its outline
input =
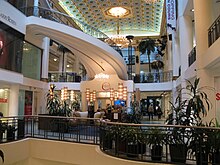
(140, 142)
(64, 77)
(156, 77)
(62, 18)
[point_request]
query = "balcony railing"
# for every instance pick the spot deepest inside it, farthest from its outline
(63, 77)
(214, 31)
(157, 77)
(140, 142)
(192, 56)
(62, 18)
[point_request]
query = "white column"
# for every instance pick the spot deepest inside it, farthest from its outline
(186, 40)
(137, 65)
(45, 58)
(62, 64)
(203, 20)
(128, 102)
(13, 100)
(175, 56)
(41, 101)
(36, 10)
(76, 64)
(84, 101)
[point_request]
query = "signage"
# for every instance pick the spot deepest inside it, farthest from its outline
(8, 18)
(3, 100)
(106, 86)
(171, 15)
(217, 96)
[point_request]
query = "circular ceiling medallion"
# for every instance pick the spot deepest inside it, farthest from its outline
(118, 11)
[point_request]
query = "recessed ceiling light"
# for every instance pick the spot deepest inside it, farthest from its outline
(192, 10)
(55, 59)
(67, 66)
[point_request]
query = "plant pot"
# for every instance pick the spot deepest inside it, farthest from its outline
(21, 128)
(202, 158)
(44, 122)
(135, 148)
(178, 152)
(156, 152)
(216, 158)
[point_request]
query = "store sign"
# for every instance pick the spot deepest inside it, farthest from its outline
(217, 96)
(171, 15)
(3, 100)
(8, 18)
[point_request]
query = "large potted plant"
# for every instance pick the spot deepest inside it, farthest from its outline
(55, 107)
(156, 138)
(188, 113)
(147, 45)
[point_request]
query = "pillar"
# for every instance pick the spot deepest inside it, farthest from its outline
(45, 58)
(63, 63)
(13, 100)
(36, 10)
(203, 20)
(76, 64)
(84, 101)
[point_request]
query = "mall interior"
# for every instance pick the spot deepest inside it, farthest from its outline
(90, 51)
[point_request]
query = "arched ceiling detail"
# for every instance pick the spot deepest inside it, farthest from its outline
(94, 54)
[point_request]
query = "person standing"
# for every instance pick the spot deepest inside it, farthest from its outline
(151, 111)
(158, 111)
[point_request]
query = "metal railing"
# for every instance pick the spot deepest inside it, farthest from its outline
(214, 32)
(161, 143)
(157, 77)
(83, 130)
(62, 18)
(192, 56)
(141, 142)
(63, 77)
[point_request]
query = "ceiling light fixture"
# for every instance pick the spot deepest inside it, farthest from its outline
(117, 12)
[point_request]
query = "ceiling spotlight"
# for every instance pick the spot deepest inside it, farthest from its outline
(55, 59)
(68, 66)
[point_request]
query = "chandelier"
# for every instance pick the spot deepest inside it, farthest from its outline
(152, 1)
(117, 12)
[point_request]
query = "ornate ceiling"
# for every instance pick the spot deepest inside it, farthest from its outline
(143, 19)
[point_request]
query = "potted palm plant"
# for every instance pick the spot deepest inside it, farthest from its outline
(147, 45)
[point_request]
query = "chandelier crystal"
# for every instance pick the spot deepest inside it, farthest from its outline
(117, 40)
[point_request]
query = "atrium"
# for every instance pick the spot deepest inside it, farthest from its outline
(96, 60)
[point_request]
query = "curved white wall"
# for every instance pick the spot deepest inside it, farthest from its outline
(48, 152)
(94, 54)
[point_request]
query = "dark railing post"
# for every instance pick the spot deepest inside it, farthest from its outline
(214, 32)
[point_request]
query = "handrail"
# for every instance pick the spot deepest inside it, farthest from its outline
(124, 140)
(156, 77)
(214, 31)
(54, 14)
(192, 56)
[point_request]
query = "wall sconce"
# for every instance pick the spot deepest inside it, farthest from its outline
(115, 95)
(124, 93)
(94, 95)
(64, 94)
(120, 91)
(72, 96)
(91, 96)
(87, 94)
(111, 94)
